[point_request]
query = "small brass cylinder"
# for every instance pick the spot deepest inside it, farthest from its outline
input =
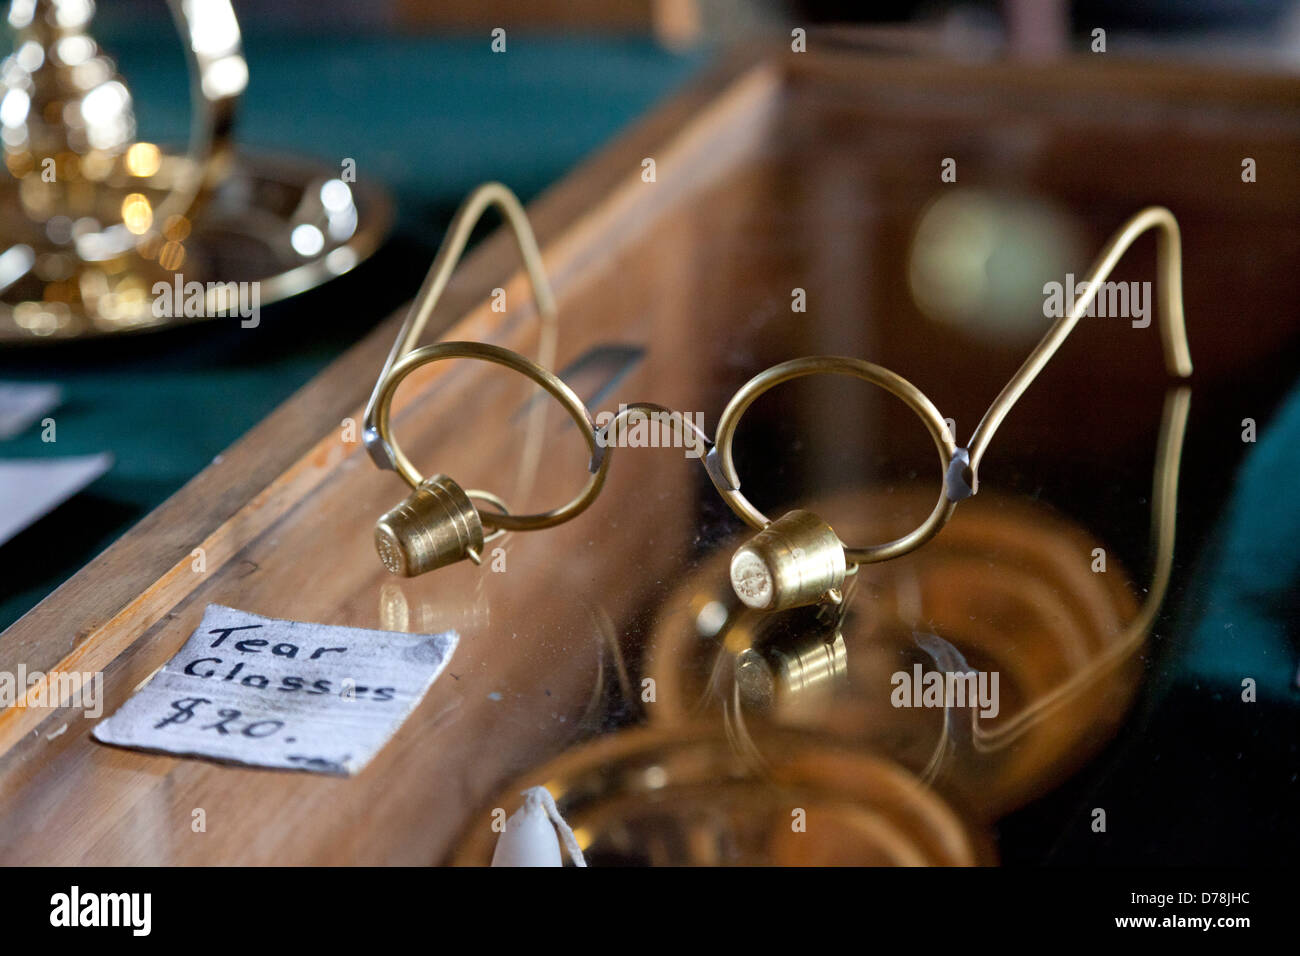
(435, 526)
(784, 675)
(795, 561)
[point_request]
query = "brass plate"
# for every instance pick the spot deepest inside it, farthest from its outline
(243, 234)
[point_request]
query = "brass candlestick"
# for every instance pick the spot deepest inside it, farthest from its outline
(103, 233)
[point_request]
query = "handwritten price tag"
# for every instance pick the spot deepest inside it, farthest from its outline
(268, 693)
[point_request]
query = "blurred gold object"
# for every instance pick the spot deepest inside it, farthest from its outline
(687, 797)
(97, 227)
(978, 259)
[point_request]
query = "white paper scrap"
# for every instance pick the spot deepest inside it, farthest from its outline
(269, 693)
(22, 404)
(30, 488)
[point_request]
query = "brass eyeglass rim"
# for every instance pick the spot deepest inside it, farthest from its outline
(727, 481)
(497, 355)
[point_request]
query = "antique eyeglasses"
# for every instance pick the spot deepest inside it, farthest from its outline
(793, 561)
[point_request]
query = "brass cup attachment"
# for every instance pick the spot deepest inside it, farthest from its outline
(436, 525)
(795, 561)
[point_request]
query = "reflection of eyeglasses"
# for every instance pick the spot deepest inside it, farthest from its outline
(793, 561)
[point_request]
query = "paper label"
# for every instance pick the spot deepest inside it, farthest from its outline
(269, 693)
(32, 488)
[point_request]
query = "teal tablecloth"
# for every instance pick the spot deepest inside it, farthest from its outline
(427, 117)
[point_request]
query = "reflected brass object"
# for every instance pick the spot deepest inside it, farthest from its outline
(97, 228)
(685, 796)
(773, 676)
(959, 466)
(794, 561)
(435, 526)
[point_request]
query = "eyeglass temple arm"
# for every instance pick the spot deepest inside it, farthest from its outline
(1173, 331)
(1164, 506)
(435, 283)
